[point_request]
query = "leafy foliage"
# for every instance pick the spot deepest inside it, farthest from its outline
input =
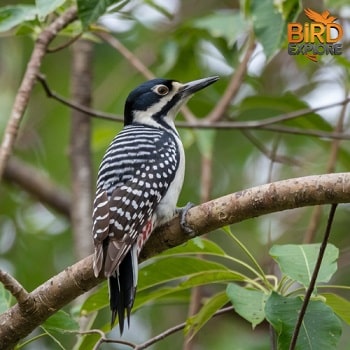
(91, 10)
(12, 16)
(321, 328)
(248, 303)
(298, 262)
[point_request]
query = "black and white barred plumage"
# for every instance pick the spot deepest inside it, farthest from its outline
(139, 182)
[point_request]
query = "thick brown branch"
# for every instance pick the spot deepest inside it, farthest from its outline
(47, 299)
(230, 209)
(22, 97)
(250, 203)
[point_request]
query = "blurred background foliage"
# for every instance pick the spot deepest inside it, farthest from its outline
(184, 40)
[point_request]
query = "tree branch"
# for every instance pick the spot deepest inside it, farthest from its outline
(266, 124)
(23, 94)
(80, 148)
(138, 65)
(233, 87)
(38, 185)
(14, 287)
(314, 276)
(233, 208)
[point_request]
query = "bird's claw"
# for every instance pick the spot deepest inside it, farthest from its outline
(182, 214)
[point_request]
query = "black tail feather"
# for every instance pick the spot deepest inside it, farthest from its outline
(122, 290)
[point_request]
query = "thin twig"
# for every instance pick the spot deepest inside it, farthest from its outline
(14, 287)
(272, 155)
(64, 45)
(77, 106)
(126, 53)
(103, 338)
(175, 329)
(305, 132)
(313, 278)
(264, 124)
(233, 87)
(138, 65)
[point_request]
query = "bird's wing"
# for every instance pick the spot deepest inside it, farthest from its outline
(132, 196)
(100, 229)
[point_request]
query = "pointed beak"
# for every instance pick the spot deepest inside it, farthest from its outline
(196, 85)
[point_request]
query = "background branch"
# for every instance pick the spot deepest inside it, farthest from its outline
(265, 124)
(38, 184)
(233, 86)
(330, 168)
(80, 149)
(14, 287)
(79, 278)
(29, 78)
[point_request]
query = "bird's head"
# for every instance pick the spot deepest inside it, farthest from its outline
(156, 102)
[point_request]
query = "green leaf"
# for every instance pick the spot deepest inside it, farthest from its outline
(147, 296)
(298, 261)
(198, 279)
(227, 24)
(269, 26)
(60, 322)
(207, 311)
(99, 299)
(197, 245)
(291, 10)
(12, 16)
(96, 301)
(171, 268)
(90, 10)
(213, 276)
(45, 7)
(5, 299)
(248, 303)
(321, 328)
(339, 305)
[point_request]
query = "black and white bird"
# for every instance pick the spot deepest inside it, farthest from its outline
(138, 185)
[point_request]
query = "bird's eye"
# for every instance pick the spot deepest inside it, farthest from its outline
(162, 90)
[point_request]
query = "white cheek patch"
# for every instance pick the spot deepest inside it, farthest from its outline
(145, 117)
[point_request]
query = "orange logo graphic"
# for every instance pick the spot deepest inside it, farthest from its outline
(320, 37)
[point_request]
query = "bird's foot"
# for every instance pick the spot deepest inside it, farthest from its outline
(182, 214)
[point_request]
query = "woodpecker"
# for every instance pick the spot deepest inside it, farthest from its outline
(138, 185)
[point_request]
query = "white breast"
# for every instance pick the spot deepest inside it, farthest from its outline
(167, 206)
